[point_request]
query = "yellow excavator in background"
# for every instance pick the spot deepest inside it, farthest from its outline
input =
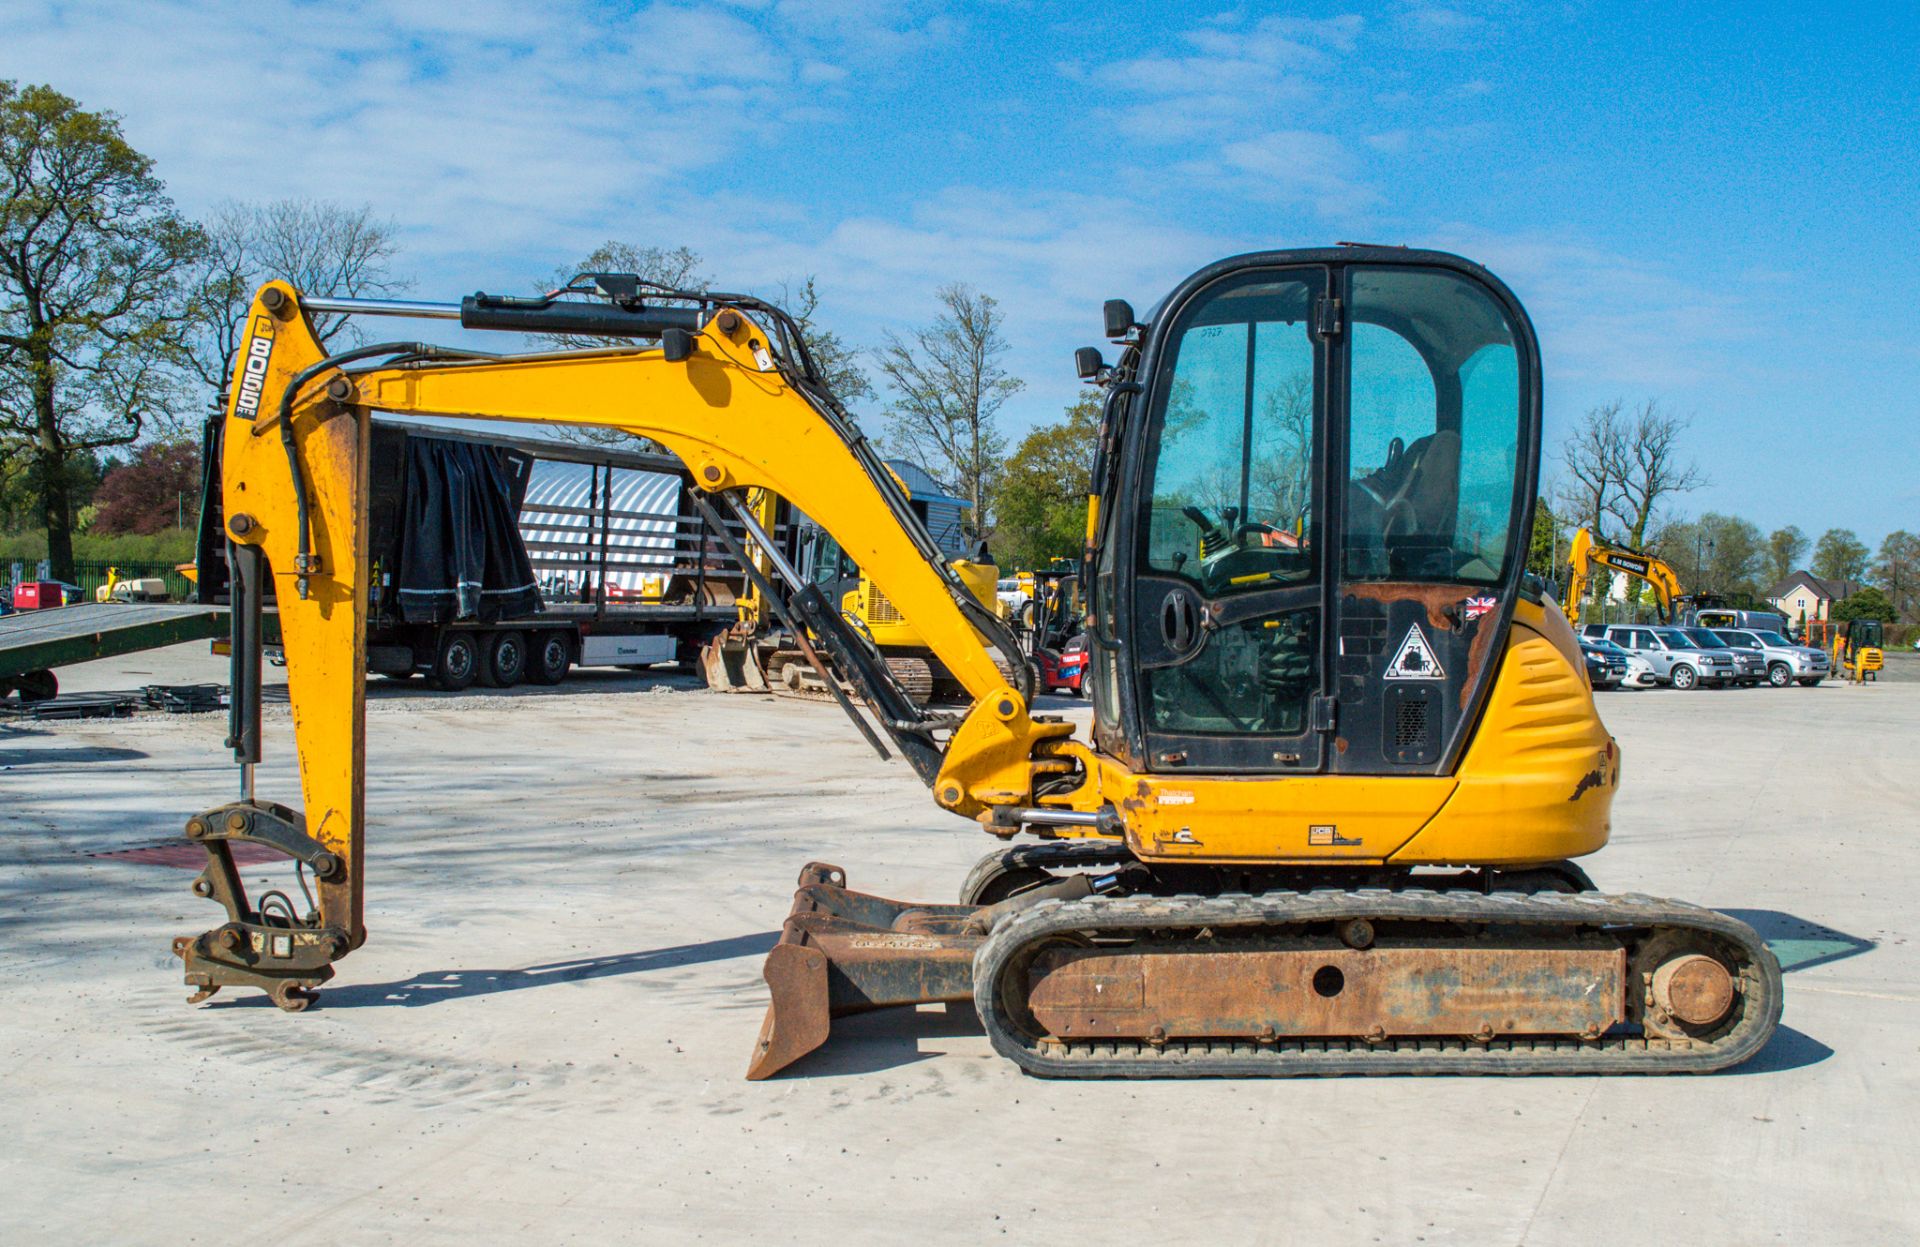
(1856, 646)
(1588, 553)
(758, 655)
(1341, 751)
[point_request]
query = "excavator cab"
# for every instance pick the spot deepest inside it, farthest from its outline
(1322, 472)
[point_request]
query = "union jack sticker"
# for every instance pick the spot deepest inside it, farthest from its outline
(1476, 607)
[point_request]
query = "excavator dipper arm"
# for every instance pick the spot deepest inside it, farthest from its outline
(294, 479)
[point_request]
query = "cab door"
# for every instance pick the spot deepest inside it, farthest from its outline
(1225, 613)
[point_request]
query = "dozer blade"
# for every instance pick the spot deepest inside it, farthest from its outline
(843, 952)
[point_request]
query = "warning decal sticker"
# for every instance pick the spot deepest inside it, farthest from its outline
(1414, 659)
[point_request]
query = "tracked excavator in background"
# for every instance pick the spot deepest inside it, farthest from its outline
(760, 655)
(1588, 553)
(1324, 819)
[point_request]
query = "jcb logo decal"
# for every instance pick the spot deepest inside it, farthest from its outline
(253, 373)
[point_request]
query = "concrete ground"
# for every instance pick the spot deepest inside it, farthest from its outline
(570, 892)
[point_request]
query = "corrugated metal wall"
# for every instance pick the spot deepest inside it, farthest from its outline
(643, 527)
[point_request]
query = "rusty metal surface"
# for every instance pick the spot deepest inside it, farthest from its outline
(281, 953)
(1320, 987)
(1696, 988)
(843, 952)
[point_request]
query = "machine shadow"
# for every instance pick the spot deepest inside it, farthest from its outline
(871, 1043)
(67, 755)
(437, 986)
(1789, 1049)
(1799, 943)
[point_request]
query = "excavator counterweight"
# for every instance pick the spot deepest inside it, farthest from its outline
(1342, 754)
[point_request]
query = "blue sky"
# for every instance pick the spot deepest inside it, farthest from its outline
(1715, 206)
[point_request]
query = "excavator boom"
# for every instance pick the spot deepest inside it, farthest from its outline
(1589, 552)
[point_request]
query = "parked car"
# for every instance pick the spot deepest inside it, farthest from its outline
(1065, 670)
(1606, 662)
(1748, 666)
(1639, 673)
(1718, 617)
(1786, 663)
(1674, 658)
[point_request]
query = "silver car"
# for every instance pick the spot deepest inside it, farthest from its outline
(1786, 662)
(1675, 659)
(1748, 667)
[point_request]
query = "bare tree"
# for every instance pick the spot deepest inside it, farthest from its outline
(322, 248)
(92, 256)
(948, 389)
(676, 268)
(1595, 458)
(839, 364)
(1652, 470)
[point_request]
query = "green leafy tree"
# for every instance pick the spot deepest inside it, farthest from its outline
(1041, 499)
(1546, 544)
(1785, 548)
(93, 296)
(1720, 554)
(1898, 571)
(1839, 555)
(1868, 603)
(948, 387)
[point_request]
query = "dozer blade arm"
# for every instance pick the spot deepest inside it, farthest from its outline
(294, 476)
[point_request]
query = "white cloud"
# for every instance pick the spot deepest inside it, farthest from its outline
(1625, 323)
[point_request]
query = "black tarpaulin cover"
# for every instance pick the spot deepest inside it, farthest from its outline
(461, 555)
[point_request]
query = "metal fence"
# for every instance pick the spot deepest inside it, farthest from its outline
(91, 576)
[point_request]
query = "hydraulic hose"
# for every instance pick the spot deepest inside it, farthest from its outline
(303, 562)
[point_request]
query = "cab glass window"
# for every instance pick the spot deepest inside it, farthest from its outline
(1433, 428)
(1232, 448)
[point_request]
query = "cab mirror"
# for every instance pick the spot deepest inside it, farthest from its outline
(1119, 316)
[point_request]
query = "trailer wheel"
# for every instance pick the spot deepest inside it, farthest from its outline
(506, 663)
(551, 657)
(37, 686)
(458, 662)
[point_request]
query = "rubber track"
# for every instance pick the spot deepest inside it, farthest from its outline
(1758, 978)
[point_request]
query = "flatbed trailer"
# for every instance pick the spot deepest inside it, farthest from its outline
(627, 574)
(34, 643)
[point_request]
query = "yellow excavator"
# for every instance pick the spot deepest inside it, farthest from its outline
(758, 655)
(1855, 646)
(1342, 750)
(1588, 553)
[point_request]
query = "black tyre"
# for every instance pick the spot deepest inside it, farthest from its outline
(506, 663)
(457, 665)
(1685, 677)
(37, 686)
(550, 657)
(1779, 675)
(1811, 683)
